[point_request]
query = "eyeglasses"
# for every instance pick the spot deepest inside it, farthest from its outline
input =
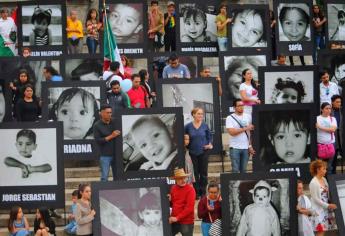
(327, 91)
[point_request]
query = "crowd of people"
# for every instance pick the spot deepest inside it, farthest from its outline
(129, 90)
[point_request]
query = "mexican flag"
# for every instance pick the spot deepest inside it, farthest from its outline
(111, 51)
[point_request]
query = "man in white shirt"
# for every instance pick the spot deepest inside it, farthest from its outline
(239, 126)
(327, 88)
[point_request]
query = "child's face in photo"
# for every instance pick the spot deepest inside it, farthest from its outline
(294, 25)
(290, 143)
(290, 95)
(340, 72)
(194, 27)
(76, 118)
(261, 197)
(247, 29)
(2, 106)
(25, 146)
(41, 28)
(153, 141)
(125, 20)
(151, 217)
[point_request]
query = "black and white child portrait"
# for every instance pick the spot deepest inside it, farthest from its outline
(289, 87)
(284, 137)
(341, 195)
(131, 212)
(42, 25)
(294, 22)
(77, 108)
(248, 28)
(28, 157)
(197, 24)
(336, 22)
(234, 66)
(259, 207)
(189, 96)
(126, 21)
(83, 69)
(149, 142)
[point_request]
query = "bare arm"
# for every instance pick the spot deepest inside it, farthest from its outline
(245, 98)
(221, 25)
(41, 168)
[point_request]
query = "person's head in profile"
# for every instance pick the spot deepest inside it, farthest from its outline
(233, 73)
(78, 110)
(154, 141)
(288, 91)
(287, 136)
(248, 29)
(126, 22)
(294, 22)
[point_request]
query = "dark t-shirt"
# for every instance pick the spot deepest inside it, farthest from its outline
(100, 131)
(27, 111)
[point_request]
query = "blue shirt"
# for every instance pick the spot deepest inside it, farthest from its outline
(56, 78)
(198, 137)
(181, 71)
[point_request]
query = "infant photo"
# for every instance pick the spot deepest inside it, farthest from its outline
(294, 22)
(149, 142)
(336, 22)
(126, 22)
(288, 87)
(259, 207)
(131, 212)
(42, 25)
(197, 24)
(77, 108)
(28, 157)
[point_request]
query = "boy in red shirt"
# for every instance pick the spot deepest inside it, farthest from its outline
(182, 199)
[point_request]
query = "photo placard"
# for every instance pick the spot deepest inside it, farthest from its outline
(29, 176)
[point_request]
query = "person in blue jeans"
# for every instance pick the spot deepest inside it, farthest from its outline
(239, 126)
(105, 134)
(199, 144)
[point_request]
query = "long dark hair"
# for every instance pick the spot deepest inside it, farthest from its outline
(13, 217)
(81, 188)
(142, 74)
(88, 17)
(243, 79)
(45, 217)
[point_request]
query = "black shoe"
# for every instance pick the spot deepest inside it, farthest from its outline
(54, 214)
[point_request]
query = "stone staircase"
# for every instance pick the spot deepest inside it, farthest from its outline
(75, 173)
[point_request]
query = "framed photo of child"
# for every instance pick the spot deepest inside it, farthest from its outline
(83, 27)
(335, 25)
(198, 92)
(43, 26)
(29, 176)
(337, 191)
(196, 28)
(131, 208)
(231, 66)
(294, 27)
(128, 22)
(284, 138)
(8, 29)
(286, 84)
(76, 104)
(259, 204)
(150, 144)
(249, 27)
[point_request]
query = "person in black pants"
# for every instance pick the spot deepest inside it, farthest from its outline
(336, 113)
(169, 28)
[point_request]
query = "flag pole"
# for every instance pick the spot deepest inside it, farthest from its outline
(108, 31)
